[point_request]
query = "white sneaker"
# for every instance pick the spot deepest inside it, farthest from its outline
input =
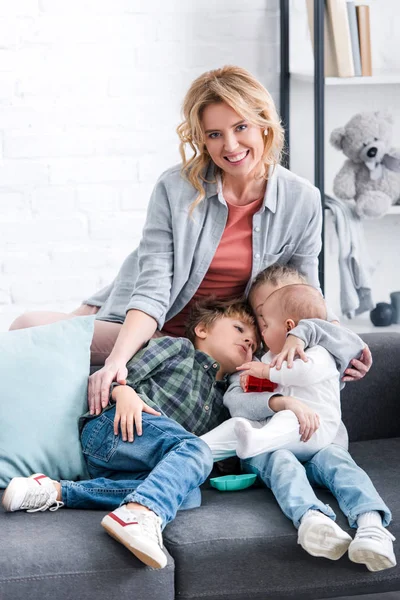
(373, 547)
(140, 532)
(33, 494)
(320, 536)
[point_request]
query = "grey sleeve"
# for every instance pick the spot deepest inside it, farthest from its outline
(343, 344)
(250, 405)
(151, 291)
(305, 258)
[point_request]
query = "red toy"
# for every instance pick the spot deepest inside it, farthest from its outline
(254, 384)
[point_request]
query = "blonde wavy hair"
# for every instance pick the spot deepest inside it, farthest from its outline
(241, 91)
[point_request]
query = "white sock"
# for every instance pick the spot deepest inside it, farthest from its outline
(369, 518)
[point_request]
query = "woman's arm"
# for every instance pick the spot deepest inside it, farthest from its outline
(137, 329)
(150, 298)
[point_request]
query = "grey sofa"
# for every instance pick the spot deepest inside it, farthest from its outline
(236, 546)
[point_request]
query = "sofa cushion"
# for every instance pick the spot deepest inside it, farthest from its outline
(67, 555)
(248, 549)
(43, 373)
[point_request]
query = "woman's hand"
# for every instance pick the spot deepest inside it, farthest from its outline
(357, 369)
(99, 385)
(293, 347)
(128, 412)
(307, 418)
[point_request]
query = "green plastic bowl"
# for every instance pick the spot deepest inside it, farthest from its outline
(232, 483)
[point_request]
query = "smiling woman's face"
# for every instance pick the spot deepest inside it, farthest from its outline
(234, 144)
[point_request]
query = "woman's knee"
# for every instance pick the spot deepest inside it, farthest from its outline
(33, 319)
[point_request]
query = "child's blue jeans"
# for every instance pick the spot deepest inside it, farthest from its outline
(162, 469)
(332, 468)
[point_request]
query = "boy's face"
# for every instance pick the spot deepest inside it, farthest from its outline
(230, 341)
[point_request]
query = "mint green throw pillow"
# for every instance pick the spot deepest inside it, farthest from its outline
(43, 392)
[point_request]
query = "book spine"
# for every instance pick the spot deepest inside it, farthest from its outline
(365, 39)
(355, 42)
(341, 36)
(330, 64)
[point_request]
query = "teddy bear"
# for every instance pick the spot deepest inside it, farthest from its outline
(371, 174)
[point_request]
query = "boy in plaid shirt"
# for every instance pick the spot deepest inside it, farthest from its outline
(174, 393)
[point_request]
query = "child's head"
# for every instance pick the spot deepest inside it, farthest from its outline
(226, 331)
(267, 282)
(285, 307)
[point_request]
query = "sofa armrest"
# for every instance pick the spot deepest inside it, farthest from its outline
(371, 407)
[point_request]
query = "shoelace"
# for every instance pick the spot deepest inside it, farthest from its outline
(374, 532)
(30, 503)
(151, 527)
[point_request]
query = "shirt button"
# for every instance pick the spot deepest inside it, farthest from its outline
(206, 407)
(215, 365)
(257, 229)
(205, 366)
(257, 255)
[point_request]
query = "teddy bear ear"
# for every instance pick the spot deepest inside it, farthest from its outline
(384, 115)
(337, 136)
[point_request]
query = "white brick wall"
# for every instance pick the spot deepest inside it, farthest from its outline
(90, 94)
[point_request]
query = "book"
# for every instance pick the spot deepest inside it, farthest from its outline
(364, 34)
(355, 42)
(330, 63)
(337, 12)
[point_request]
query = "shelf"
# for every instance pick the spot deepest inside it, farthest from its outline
(394, 210)
(382, 78)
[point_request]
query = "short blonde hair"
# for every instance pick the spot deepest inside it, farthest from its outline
(277, 275)
(241, 91)
(298, 301)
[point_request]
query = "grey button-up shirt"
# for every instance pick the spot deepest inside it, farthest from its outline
(161, 276)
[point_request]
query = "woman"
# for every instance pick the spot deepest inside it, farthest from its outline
(213, 223)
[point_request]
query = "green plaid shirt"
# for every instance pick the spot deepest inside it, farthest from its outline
(170, 375)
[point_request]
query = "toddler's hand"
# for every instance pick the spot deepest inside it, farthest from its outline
(255, 368)
(308, 418)
(293, 347)
(243, 381)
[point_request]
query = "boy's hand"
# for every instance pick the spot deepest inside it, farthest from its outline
(307, 418)
(293, 347)
(128, 412)
(255, 368)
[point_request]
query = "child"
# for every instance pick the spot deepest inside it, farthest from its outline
(174, 392)
(314, 382)
(331, 467)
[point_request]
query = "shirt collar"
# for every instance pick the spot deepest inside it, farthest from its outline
(213, 187)
(209, 365)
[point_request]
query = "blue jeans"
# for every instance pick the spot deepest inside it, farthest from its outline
(162, 469)
(332, 468)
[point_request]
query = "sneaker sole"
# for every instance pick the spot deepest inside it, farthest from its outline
(372, 560)
(150, 561)
(335, 547)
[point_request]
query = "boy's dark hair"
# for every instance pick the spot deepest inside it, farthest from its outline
(210, 309)
(276, 275)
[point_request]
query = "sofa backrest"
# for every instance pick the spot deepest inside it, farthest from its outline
(371, 407)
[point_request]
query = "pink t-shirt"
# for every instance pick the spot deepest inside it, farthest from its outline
(230, 269)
